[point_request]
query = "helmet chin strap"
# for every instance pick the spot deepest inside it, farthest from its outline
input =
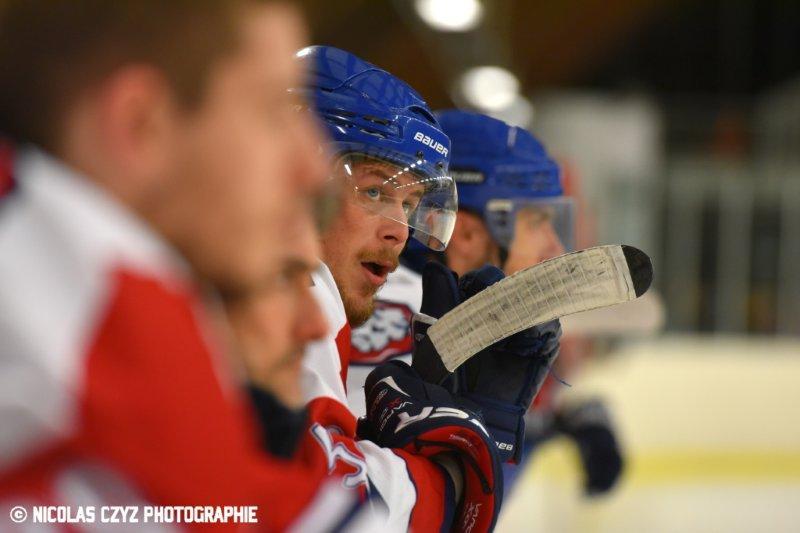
(502, 253)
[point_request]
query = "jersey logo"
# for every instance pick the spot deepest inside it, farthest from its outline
(471, 517)
(385, 335)
(338, 452)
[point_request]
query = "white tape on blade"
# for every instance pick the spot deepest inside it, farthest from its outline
(579, 281)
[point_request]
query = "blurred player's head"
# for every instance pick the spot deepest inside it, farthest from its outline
(273, 324)
(391, 158)
(512, 212)
(178, 109)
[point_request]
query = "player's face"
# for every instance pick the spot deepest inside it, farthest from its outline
(534, 240)
(245, 162)
(364, 242)
(273, 325)
(471, 246)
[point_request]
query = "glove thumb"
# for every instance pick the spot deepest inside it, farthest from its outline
(476, 280)
(439, 290)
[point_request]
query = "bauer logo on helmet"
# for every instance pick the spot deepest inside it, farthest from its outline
(424, 139)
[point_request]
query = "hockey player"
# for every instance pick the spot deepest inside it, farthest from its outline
(160, 155)
(512, 214)
(422, 449)
(431, 462)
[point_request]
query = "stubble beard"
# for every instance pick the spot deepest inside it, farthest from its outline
(359, 297)
(358, 300)
(358, 310)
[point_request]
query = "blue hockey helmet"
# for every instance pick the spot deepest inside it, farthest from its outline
(502, 169)
(386, 142)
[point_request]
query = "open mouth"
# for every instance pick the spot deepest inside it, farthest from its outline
(376, 272)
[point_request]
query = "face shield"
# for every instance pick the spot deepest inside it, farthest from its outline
(542, 215)
(411, 191)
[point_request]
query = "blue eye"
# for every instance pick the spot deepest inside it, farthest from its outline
(373, 193)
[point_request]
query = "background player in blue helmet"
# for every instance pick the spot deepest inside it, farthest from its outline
(512, 213)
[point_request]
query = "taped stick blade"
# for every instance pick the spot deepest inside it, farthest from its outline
(571, 283)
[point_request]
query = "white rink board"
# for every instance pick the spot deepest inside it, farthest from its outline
(712, 431)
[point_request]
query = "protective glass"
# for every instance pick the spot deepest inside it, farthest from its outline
(501, 217)
(411, 191)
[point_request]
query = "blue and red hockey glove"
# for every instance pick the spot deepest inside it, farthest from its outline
(406, 412)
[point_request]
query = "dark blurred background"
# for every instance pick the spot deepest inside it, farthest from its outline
(728, 51)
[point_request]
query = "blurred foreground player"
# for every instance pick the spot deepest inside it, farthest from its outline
(159, 156)
(272, 327)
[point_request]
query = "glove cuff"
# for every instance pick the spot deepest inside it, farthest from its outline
(483, 481)
(506, 424)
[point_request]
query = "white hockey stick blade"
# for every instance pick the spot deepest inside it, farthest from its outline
(571, 283)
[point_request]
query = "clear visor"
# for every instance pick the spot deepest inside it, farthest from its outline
(544, 215)
(413, 192)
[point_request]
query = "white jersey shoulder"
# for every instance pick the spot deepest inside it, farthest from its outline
(321, 367)
(321, 377)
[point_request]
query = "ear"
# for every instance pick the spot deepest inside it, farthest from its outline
(138, 122)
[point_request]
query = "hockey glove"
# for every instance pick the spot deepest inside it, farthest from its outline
(405, 412)
(504, 378)
(589, 425)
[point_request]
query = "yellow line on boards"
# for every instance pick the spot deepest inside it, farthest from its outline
(699, 465)
(657, 467)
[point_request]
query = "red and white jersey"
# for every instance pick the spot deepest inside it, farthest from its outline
(387, 333)
(111, 391)
(412, 487)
